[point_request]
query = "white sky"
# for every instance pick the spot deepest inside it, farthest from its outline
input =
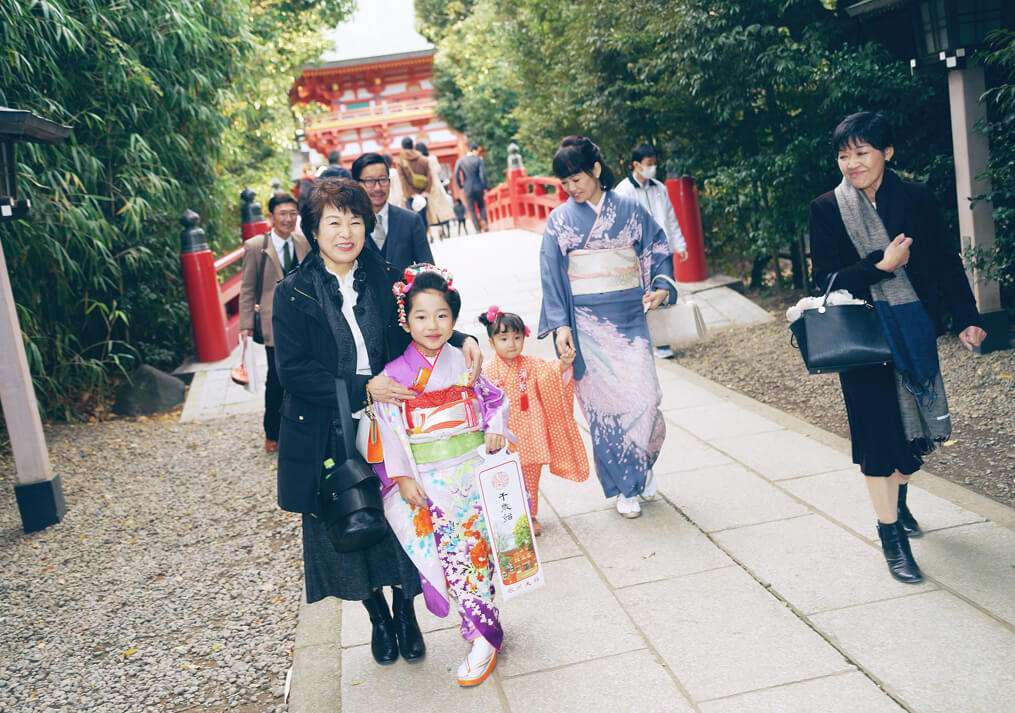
(378, 27)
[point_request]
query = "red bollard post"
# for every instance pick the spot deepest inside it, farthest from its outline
(252, 221)
(207, 318)
(515, 210)
(684, 197)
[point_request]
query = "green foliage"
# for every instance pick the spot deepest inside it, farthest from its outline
(523, 534)
(174, 104)
(743, 95)
(999, 263)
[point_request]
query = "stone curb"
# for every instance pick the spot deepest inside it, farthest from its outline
(936, 485)
(316, 673)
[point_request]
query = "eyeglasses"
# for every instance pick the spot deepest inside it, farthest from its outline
(375, 182)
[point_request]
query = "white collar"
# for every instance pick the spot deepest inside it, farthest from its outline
(598, 206)
(344, 282)
(278, 241)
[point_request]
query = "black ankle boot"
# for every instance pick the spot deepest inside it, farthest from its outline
(383, 640)
(906, 519)
(900, 560)
(410, 638)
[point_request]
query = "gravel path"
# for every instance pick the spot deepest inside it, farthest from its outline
(760, 362)
(172, 584)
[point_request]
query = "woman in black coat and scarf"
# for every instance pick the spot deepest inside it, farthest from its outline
(335, 318)
(883, 239)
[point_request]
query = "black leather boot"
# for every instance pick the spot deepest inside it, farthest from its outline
(909, 523)
(899, 556)
(383, 640)
(410, 638)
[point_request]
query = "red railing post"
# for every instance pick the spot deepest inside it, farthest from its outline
(252, 221)
(684, 197)
(516, 190)
(207, 317)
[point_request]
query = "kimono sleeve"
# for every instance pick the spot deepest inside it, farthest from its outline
(655, 242)
(494, 404)
(555, 311)
(398, 462)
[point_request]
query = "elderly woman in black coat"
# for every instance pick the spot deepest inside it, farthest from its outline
(883, 239)
(335, 317)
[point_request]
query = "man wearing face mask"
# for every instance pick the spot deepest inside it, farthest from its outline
(641, 185)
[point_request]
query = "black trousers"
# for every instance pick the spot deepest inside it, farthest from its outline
(273, 393)
(476, 203)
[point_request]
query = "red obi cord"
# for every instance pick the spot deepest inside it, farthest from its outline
(443, 397)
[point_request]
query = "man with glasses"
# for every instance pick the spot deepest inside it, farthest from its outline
(400, 235)
(266, 260)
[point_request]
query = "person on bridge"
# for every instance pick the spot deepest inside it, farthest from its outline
(600, 256)
(470, 176)
(883, 239)
(336, 325)
(641, 185)
(414, 173)
(399, 235)
(266, 260)
(542, 406)
(438, 202)
(431, 465)
(334, 167)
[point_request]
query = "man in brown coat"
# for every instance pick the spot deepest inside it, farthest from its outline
(414, 173)
(274, 254)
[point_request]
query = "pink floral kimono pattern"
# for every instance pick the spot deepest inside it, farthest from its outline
(435, 439)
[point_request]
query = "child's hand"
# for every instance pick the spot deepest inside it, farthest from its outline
(411, 492)
(567, 359)
(494, 442)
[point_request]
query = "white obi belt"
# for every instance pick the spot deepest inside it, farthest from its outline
(595, 272)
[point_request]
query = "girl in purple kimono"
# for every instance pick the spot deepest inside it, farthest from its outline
(432, 453)
(600, 257)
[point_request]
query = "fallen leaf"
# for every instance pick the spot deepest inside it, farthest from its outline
(950, 442)
(130, 652)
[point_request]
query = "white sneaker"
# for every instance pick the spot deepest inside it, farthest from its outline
(663, 352)
(628, 507)
(478, 665)
(651, 491)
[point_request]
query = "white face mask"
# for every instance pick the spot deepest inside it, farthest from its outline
(648, 172)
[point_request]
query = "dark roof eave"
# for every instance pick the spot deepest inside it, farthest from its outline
(866, 7)
(398, 57)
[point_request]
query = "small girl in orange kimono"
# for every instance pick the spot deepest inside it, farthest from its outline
(541, 395)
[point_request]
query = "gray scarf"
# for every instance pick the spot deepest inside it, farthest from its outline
(907, 327)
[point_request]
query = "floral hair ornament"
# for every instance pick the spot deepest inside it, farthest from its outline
(401, 289)
(493, 312)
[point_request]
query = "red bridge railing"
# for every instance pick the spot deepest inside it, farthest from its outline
(523, 201)
(214, 300)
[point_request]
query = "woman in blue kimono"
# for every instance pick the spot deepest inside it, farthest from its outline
(600, 257)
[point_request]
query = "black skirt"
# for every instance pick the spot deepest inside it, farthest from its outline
(351, 575)
(875, 424)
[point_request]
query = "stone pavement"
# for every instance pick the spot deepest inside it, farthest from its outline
(754, 586)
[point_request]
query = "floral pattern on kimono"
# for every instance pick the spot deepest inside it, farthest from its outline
(617, 386)
(448, 541)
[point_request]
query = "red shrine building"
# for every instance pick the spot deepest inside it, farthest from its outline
(372, 104)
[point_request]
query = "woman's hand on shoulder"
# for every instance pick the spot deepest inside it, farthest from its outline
(494, 442)
(386, 390)
(972, 337)
(473, 359)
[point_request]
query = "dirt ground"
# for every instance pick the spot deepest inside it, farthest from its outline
(761, 363)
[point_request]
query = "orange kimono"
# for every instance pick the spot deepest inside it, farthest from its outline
(542, 417)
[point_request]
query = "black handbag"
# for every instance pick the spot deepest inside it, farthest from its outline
(834, 338)
(258, 332)
(349, 492)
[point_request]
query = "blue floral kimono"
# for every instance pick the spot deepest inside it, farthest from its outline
(595, 268)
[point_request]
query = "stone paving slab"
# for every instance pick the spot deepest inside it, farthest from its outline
(682, 451)
(794, 558)
(780, 455)
(425, 687)
(721, 633)
(642, 682)
(842, 693)
(658, 545)
(842, 495)
(727, 496)
(933, 651)
(977, 560)
(721, 421)
(573, 618)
